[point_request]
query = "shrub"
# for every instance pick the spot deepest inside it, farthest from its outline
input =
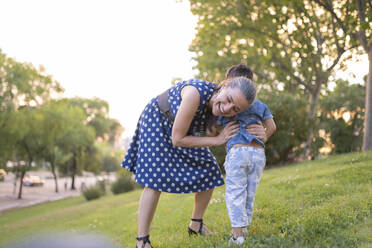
(92, 193)
(123, 184)
(101, 184)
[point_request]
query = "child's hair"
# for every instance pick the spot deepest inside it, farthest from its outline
(240, 70)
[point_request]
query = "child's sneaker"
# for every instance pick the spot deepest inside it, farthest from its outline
(245, 232)
(238, 241)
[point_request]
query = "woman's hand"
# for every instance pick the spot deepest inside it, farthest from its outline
(227, 132)
(257, 130)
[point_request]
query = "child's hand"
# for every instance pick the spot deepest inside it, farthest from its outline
(257, 130)
(228, 132)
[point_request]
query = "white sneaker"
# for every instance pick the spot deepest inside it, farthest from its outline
(238, 241)
(245, 232)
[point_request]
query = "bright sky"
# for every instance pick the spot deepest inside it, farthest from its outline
(124, 52)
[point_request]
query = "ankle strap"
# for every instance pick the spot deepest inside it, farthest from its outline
(201, 224)
(145, 239)
(197, 220)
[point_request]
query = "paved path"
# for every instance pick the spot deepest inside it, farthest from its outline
(34, 195)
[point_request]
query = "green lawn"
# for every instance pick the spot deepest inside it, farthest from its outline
(323, 203)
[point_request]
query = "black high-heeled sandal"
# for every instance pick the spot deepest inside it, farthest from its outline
(145, 240)
(199, 232)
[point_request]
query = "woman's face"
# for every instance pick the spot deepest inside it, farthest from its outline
(229, 102)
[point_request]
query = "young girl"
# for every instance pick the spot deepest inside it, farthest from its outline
(245, 160)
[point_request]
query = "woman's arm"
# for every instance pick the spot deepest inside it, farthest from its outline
(185, 114)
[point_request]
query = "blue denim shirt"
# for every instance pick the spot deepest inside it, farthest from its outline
(258, 111)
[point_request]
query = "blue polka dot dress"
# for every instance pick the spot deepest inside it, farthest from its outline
(158, 164)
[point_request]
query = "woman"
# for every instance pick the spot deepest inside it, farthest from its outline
(167, 153)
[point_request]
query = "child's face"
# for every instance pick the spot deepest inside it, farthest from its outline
(229, 102)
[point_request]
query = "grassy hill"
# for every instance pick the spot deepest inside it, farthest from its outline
(322, 203)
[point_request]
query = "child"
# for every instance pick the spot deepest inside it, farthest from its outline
(245, 161)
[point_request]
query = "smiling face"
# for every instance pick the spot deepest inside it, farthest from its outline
(228, 101)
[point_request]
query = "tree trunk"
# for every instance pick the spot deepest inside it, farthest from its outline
(15, 183)
(21, 184)
(54, 176)
(367, 138)
(314, 96)
(73, 172)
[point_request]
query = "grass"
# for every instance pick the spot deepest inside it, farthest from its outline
(323, 203)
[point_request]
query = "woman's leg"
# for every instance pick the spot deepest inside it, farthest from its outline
(201, 202)
(147, 206)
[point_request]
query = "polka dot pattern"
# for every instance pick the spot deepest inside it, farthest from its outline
(158, 164)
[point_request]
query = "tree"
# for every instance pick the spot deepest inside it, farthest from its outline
(353, 21)
(76, 141)
(97, 116)
(21, 85)
(293, 126)
(28, 146)
(292, 44)
(342, 115)
(58, 116)
(111, 158)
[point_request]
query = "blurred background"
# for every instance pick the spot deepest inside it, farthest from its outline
(75, 76)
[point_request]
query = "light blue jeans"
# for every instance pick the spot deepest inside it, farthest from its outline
(244, 166)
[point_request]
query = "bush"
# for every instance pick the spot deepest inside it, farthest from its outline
(92, 193)
(101, 184)
(123, 184)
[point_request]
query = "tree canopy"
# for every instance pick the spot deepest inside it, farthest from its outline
(295, 46)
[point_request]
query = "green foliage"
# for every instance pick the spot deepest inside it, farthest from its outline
(321, 203)
(102, 186)
(111, 157)
(283, 40)
(96, 115)
(345, 134)
(293, 125)
(33, 127)
(296, 45)
(92, 193)
(123, 183)
(28, 146)
(21, 85)
(111, 163)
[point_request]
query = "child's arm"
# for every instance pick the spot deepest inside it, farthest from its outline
(270, 127)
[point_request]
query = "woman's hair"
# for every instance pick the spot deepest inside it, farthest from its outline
(246, 86)
(240, 70)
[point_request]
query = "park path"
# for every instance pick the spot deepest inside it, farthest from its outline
(36, 195)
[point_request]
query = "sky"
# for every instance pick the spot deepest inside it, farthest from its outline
(122, 51)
